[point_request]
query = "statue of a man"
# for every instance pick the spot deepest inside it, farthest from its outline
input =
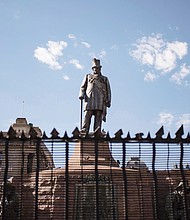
(96, 92)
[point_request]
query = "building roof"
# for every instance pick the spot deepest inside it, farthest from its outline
(21, 125)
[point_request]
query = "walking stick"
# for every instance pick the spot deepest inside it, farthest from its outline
(81, 110)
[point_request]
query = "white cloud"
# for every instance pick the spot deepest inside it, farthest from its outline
(87, 45)
(150, 76)
(147, 59)
(76, 63)
(184, 119)
(51, 54)
(165, 119)
(114, 47)
(102, 54)
(165, 61)
(156, 52)
(179, 77)
(56, 48)
(72, 36)
(65, 77)
(179, 48)
(169, 120)
(173, 28)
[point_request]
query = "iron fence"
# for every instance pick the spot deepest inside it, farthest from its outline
(94, 176)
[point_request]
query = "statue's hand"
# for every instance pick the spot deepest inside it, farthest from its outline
(108, 104)
(81, 97)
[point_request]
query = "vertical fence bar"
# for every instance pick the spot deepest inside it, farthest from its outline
(82, 162)
(168, 158)
(37, 177)
(125, 180)
(96, 177)
(155, 194)
(186, 217)
(5, 178)
(141, 197)
(113, 201)
(170, 206)
(67, 180)
(21, 182)
(51, 211)
(112, 187)
(82, 174)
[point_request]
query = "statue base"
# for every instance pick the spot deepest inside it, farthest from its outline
(85, 153)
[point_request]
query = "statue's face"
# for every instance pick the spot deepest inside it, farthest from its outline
(96, 70)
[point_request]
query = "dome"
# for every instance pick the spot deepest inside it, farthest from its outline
(136, 163)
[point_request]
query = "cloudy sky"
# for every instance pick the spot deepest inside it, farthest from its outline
(46, 48)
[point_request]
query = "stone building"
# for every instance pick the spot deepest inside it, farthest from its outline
(21, 155)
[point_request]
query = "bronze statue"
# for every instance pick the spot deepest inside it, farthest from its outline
(96, 93)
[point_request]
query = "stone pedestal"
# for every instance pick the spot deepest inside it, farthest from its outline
(78, 190)
(85, 153)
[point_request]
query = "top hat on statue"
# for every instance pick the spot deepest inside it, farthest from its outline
(96, 63)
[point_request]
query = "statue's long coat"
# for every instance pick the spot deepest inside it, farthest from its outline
(95, 90)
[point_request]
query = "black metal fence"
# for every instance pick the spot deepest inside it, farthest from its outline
(143, 177)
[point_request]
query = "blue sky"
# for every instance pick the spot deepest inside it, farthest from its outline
(46, 48)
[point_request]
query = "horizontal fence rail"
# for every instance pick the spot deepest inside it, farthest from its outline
(94, 176)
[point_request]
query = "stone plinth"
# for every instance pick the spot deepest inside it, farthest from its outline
(72, 193)
(85, 153)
